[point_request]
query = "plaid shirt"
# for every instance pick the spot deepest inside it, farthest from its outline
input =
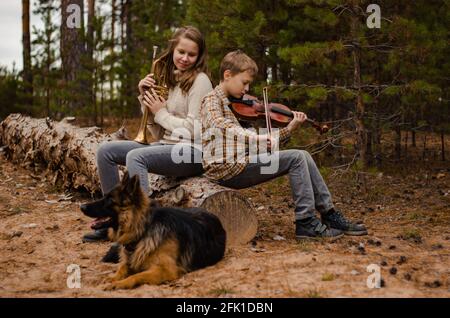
(224, 141)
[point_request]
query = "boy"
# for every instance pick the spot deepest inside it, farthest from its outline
(229, 162)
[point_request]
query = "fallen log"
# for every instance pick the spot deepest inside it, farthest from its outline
(67, 153)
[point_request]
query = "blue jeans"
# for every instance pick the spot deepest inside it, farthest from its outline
(309, 190)
(141, 159)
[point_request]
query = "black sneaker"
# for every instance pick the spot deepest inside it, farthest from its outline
(336, 220)
(314, 229)
(112, 256)
(96, 236)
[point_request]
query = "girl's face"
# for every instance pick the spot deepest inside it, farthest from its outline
(185, 54)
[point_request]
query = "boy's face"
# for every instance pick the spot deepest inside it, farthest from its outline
(237, 85)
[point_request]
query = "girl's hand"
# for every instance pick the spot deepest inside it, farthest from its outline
(146, 83)
(153, 101)
(299, 118)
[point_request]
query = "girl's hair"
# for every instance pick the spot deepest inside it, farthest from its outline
(187, 78)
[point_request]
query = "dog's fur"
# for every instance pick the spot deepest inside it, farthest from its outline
(158, 243)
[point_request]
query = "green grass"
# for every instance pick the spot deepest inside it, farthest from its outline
(325, 172)
(221, 290)
(412, 235)
(415, 216)
(313, 293)
(16, 210)
(304, 246)
(328, 277)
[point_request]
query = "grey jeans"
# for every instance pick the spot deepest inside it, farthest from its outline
(141, 159)
(309, 190)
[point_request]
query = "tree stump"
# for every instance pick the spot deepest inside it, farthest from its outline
(67, 153)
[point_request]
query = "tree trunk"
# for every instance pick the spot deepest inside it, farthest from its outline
(48, 85)
(377, 138)
(123, 9)
(132, 46)
(68, 155)
(112, 53)
(398, 141)
(369, 152)
(27, 72)
(96, 82)
(359, 121)
(72, 48)
(406, 144)
(90, 44)
(424, 152)
(90, 29)
(102, 101)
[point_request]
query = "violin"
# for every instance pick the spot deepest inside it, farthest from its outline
(249, 108)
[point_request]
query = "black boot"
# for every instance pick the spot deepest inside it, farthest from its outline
(96, 236)
(336, 220)
(313, 228)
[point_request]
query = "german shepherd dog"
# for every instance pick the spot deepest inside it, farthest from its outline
(158, 244)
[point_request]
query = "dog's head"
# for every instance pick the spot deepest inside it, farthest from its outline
(119, 203)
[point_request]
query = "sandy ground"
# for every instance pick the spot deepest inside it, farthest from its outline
(409, 239)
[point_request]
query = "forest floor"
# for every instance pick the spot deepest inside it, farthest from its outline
(407, 213)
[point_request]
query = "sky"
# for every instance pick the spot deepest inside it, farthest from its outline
(11, 32)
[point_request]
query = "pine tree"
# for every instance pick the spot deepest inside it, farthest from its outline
(47, 90)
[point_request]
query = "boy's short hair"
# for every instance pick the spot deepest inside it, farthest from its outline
(238, 62)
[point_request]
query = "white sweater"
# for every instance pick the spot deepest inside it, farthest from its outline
(175, 122)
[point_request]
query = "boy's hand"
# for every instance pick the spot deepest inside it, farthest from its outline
(271, 142)
(147, 82)
(299, 118)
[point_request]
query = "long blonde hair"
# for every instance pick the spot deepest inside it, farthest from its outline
(187, 78)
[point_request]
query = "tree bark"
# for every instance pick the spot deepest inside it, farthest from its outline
(424, 151)
(90, 44)
(360, 111)
(67, 153)
(27, 72)
(406, 144)
(132, 46)
(111, 74)
(72, 48)
(398, 141)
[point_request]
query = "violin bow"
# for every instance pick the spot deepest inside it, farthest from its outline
(266, 109)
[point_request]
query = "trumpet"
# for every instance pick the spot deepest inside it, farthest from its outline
(161, 89)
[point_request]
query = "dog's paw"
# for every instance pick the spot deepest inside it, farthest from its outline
(117, 285)
(108, 287)
(115, 277)
(104, 280)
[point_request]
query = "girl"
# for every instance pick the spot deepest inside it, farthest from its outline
(171, 121)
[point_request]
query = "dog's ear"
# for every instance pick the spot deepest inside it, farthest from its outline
(125, 179)
(133, 184)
